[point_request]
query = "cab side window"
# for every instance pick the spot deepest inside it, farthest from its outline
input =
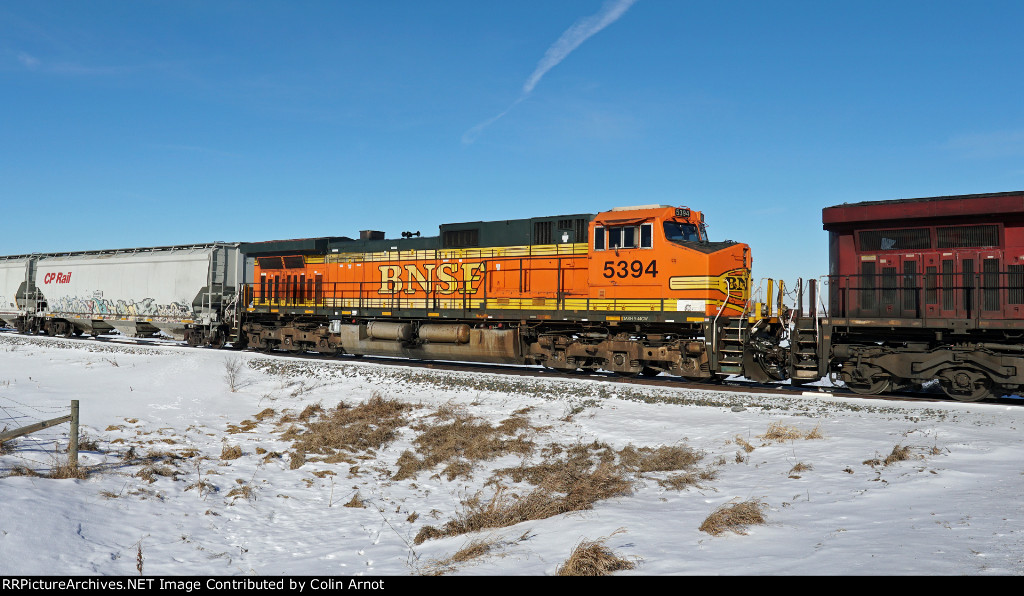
(615, 237)
(599, 238)
(647, 235)
(628, 236)
(641, 236)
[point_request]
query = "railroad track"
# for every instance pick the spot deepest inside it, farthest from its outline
(732, 385)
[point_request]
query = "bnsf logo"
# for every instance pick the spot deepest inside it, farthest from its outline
(57, 278)
(446, 278)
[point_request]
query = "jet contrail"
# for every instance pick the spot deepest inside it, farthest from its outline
(581, 31)
(576, 35)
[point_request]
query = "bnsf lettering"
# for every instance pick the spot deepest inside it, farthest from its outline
(57, 278)
(446, 278)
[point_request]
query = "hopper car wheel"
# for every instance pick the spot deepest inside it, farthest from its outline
(217, 341)
(649, 371)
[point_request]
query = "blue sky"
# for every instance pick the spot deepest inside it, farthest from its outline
(140, 123)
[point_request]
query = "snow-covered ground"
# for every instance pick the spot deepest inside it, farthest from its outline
(166, 484)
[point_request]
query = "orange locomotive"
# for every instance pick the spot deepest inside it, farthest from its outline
(633, 289)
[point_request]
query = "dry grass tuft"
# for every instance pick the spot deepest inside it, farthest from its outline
(242, 491)
(151, 471)
(462, 439)
(899, 453)
(734, 517)
(571, 478)
(659, 459)
(778, 431)
(688, 479)
(65, 469)
(799, 467)
(245, 426)
(744, 444)
(23, 471)
(230, 452)
(87, 443)
(593, 558)
(475, 549)
(368, 426)
(573, 484)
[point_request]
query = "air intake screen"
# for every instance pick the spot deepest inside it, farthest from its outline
(965, 236)
(906, 239)
(461, 238)
(269, 262)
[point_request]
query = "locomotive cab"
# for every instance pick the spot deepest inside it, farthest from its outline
(661, 256)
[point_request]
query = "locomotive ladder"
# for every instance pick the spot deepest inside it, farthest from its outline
(218, 273)
(803, 347)
(732, 338)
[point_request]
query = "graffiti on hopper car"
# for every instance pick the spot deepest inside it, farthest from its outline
(147, 307)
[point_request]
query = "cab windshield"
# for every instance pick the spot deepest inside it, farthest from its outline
(678, 231)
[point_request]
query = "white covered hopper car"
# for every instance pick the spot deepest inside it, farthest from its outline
(185, 292)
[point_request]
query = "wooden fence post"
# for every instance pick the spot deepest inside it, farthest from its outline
(73, 442)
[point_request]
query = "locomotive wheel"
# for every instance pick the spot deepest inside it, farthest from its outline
(650, 372)
(966, 385)
(876, 386)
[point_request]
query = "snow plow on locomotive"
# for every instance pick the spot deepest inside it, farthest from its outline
(634, 290)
